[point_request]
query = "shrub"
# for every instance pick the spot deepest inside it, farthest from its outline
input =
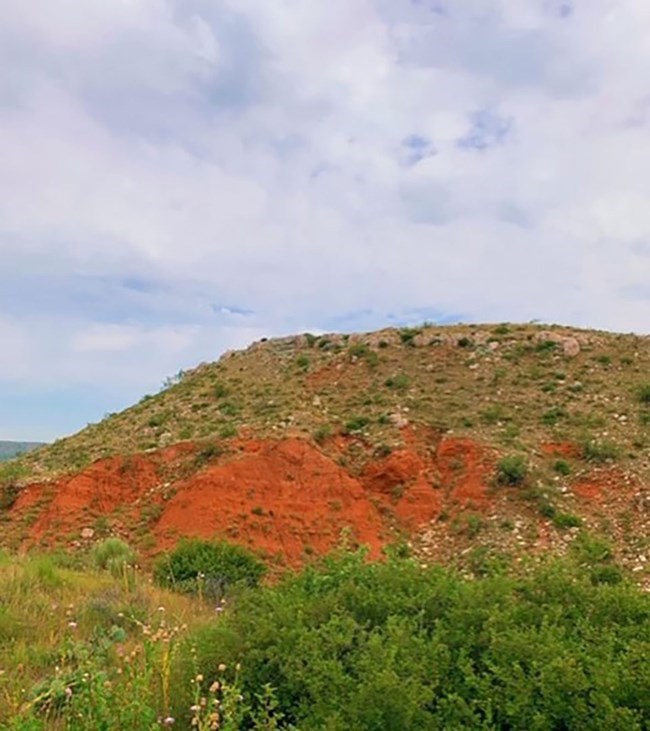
(9, 492)
(357, 423)
(392, 645)
(112, 554)
(322, 433)
(562, 467)
(408, 334)
(552, 416)
(566, 520)
(599, 451)
(221, 390)
(643, 394)
(302, 362)
(397, 383)
(512, 470)
(197, 566)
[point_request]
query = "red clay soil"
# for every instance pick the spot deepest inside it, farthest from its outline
(568, 450)
(285, 497)
(603, 486)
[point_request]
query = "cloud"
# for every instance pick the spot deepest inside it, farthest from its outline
(180, 177)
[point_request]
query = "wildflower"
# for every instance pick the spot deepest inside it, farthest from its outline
(221, 668)
(72, 624)
(215, 686)
(168, 721)
(68, 692)
(199, 678)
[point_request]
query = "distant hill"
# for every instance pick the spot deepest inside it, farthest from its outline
(13, 449)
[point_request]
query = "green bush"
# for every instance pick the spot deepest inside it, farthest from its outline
(512, 470)
(399, 382)
(112, 554)
(643, 394)
(210, 568)
(357, 423)
(599, 451)
(566, 520)
(394, 646)
(562, 467)
(322, 433)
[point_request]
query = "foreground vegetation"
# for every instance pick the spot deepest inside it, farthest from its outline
(343, 644)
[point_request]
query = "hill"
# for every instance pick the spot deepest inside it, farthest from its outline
(9, 450)
(471, 444)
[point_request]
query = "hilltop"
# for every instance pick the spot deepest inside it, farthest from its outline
(467, 443)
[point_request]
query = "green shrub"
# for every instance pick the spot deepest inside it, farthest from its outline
(221, 390)
(566, 520)
(322, 433)
(562, 467)
(197, 566)
(9, 492)
(112, 554)
(392, 645)
(357, 423)
(643, 394)
(302, 362)
(599, 451)
(399, 382)
(552, 416)
(408, 334)
(512, 470)
(228, 431)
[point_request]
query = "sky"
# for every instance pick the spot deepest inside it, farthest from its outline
(182, 177)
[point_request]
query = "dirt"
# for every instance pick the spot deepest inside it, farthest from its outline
(288, 498)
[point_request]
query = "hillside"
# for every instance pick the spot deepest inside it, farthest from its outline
(9, 450)
(470, 443)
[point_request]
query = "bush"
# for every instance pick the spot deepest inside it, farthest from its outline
(643, 394)
(562, 467)
(599, 451)
(357, 423)
(512, 470)
(113, 555)
(392, 645)
(197, 566)
(566, 520)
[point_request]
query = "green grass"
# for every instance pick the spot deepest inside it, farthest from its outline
(343, 644)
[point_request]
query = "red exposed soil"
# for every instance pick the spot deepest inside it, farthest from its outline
(286, 497)
(604, 485)
(562, 449)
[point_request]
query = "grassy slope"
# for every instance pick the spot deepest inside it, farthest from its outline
(504, 385)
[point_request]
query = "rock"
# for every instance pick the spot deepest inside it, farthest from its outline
(398, 420)
(570, 347)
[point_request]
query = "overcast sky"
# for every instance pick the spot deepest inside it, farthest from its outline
(179, 177)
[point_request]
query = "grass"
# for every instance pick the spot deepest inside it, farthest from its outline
(341, 644)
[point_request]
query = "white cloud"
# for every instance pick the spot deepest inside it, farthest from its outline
(251, 156)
